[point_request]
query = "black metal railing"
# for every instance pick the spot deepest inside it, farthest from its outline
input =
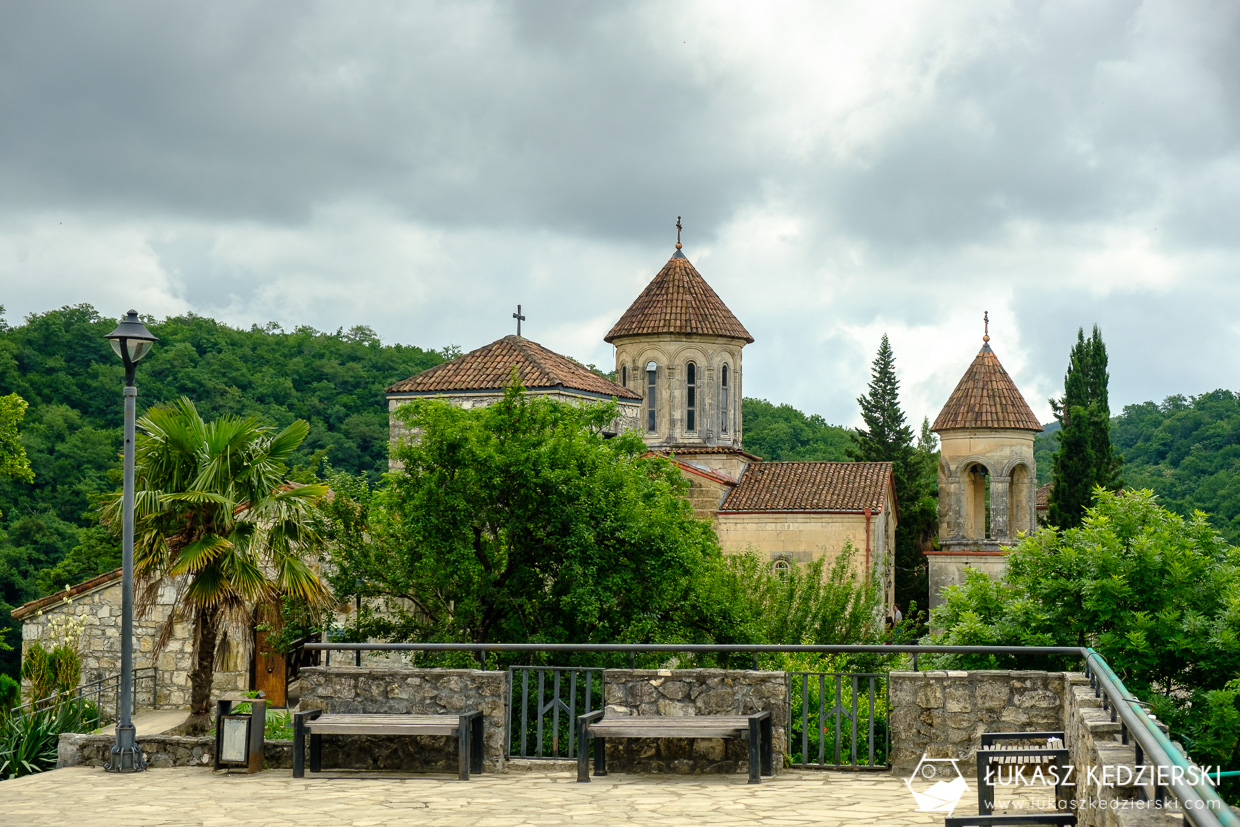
(1199, 803)
(104, 693)
(545, 703)
(838, 720)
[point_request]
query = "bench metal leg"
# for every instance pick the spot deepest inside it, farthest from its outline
(463, 743)
(476, 743)
(755, 750)
(600, 756)
(299, 746)
(768, 747)
(985, 785)
(300, 719)
(583, 753)
(316, 752)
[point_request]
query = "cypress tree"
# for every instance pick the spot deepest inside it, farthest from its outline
(1085, 457)
(886, 437)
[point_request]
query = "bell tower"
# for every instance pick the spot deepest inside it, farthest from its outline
(679, 347)
(987, 474)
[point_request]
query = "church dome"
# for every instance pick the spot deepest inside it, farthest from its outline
(986, 397)
(678, 301)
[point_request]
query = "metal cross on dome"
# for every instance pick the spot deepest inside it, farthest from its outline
(986, 322)
(519, 319)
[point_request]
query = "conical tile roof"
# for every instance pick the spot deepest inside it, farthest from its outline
(490, 368)
(986, 398)
(678, 300)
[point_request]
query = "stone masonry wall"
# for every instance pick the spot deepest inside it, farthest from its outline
(101, 648)
(943, 714)
(693, 692)
(348, 689)
(161, 751)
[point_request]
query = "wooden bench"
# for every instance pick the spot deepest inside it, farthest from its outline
(756, 728)
(995, 752)
(467, 727)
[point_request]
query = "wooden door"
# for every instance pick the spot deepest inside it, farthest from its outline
(270, 672)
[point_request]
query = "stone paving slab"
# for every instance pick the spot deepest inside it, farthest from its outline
(82, 796)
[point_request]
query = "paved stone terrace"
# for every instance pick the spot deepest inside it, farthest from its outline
(86, 796)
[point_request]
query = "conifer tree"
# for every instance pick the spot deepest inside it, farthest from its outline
(1085, 457)
(885, 437)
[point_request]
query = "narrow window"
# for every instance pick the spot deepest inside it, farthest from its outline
(780, 569)
(624, 375)
(723, 400)
(652, 373)
(691, 397)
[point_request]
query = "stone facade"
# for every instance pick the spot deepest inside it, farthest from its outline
(99, 606)
(803, 538)
(347, 689)
(686, 692)
(943, 714)
(714, 423)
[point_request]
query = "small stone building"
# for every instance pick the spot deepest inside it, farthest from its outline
(98, 602)
(987, 474)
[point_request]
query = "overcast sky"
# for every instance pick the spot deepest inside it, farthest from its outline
(843, 170)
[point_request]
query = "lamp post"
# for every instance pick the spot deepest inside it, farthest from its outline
(131, 341)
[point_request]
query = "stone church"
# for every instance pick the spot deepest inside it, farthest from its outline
(678, 366)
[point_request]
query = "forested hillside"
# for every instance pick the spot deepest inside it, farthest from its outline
(1187, 450)
(781, 432)
(62, 366)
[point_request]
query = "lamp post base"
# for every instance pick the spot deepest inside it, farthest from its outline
(126, 755)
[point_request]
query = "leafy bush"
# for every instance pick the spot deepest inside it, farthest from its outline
(28, 742)
(51, 673)
(10, 695)
(1156, 594)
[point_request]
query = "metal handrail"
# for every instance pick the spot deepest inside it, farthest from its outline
(95, 689)
(1201, 804)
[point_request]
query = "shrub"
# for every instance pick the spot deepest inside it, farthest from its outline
(28, 742)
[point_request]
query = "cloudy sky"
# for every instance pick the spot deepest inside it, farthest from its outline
(843, 170)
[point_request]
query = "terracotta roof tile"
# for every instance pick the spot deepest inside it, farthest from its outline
(811, 486)
(704, 450)
(56, 597)
(678, 300)
(490, 368)
(986, 397)
(1043, 495)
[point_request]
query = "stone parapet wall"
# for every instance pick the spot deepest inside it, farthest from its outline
(349, 689)
(943, 714)
(683, 692)
(1104, 798)
(161, 751)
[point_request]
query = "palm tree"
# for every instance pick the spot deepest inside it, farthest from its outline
(215, 519)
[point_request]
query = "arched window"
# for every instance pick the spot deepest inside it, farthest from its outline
(691, 397)
(780, 569)
(652, 373)
(624, 375)
(723, 400)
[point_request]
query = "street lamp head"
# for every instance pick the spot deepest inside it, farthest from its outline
(131, 341)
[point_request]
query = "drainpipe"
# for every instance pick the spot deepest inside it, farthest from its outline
(867, 542)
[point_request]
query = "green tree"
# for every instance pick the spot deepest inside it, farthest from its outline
(13, 460)
(1158, 595)
(782, 433)
(521, 522)
(1084, 458)
(216, 520)
(885, 437)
